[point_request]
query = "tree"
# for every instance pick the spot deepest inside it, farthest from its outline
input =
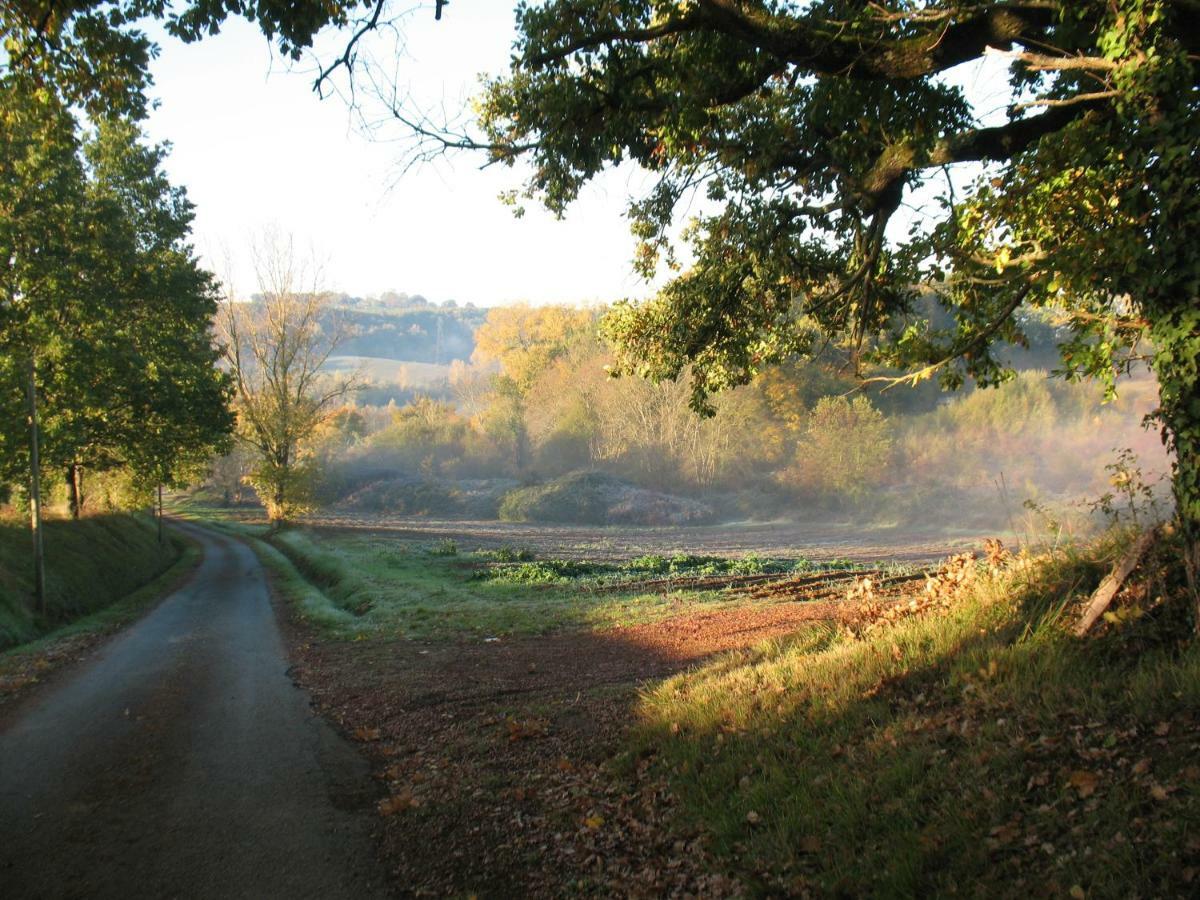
(524, 341)
(809, 126)
(276, 347)
(103, 297)
(98, 54)
(845, 448)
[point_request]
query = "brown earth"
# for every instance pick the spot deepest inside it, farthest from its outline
(817, 540)
(499, 762)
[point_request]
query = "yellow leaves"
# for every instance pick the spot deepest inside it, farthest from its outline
(1084, 782)
(526, 340)
(593, 822)
(1003, 257)
(527, 729)
(365, 734)
(398, 802)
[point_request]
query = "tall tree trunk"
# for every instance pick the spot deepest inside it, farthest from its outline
(1175, 336)
(160, 524)
(35, 493)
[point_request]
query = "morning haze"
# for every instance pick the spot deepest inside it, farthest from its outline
(639, 449)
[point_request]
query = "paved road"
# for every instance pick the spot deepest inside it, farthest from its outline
(182, 762)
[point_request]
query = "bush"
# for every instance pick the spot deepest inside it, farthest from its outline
(845, 450)
(593, 498)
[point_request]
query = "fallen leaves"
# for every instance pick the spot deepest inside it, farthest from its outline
(526, 729)
(366, 734)
(1084, 782)
(398, 802)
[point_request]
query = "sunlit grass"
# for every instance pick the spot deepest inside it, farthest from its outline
(413, 589)
(937, 756)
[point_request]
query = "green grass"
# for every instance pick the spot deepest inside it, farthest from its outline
(944, 755)
(90, 566)
(372, 585)
(116, 615)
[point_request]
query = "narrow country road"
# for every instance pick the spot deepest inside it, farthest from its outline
(181, 761)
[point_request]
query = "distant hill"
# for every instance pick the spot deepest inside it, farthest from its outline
(421, 333)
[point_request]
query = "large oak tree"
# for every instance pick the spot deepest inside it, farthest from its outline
(810, 126)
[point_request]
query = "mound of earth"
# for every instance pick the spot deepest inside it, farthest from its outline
(593, 498)
(410, 495)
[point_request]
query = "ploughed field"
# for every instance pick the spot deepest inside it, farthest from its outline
(811, 540)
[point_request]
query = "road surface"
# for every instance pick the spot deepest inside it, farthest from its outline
(181, 761)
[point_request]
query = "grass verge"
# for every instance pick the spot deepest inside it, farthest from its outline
(978, 750)
(28, 663)
(91, 564)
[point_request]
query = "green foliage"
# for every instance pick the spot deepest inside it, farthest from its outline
(508, 554)
(650, 566)
(446, 547)
(97, 53)
(582, 498)
(103, 298)
(1131, 497)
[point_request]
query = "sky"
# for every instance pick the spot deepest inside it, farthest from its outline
(256, 148)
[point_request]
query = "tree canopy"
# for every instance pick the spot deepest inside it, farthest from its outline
(809, 126)
(102, 301)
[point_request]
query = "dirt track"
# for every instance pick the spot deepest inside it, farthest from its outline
(181, 761)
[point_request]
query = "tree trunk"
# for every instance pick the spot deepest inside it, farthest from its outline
(1175, 336)
(160, 522)
(35, 494)
(73, 499)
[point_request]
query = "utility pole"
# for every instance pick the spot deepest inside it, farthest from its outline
(35, 493)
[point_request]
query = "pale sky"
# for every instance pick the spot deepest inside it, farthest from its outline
(255, 147)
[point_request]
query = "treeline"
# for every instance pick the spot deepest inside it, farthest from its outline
(108, 365)
(537, 403)
(427, 335)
